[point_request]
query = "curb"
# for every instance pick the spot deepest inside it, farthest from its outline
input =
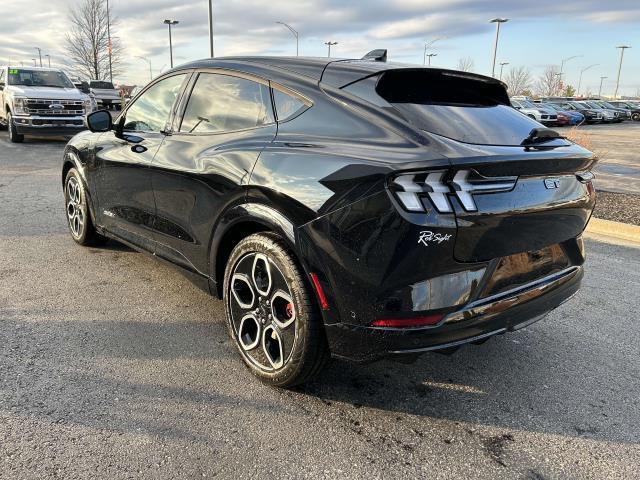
(619, 230)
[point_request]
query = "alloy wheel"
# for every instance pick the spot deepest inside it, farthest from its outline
(263, 313)
(76, 208)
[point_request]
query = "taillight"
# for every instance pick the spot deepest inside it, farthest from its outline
(424, 321)
(413, 189)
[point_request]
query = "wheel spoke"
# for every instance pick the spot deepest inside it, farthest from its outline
(242, 291)
(261, 274)
(249, 332)
(282, 309)
(272, 346)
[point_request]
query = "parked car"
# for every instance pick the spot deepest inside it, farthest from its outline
(566, 117)
(339, 207)
(591, 115)
(608, 115)
(536, 111)
(631, 107)
(622, 113)
(40, 101)
(105, 93)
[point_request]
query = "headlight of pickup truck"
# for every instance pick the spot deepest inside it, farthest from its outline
(87, 104)
(19, 105)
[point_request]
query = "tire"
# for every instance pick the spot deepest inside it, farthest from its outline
(76, 204)
(279, 333)
(635, 117)
(14, 136)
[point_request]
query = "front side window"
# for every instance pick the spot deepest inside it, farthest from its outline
(222, 103)
(150, 111)
(38, 78)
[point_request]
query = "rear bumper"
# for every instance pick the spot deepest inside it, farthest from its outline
(505, 312)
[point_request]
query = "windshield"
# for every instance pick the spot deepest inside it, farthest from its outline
(104, 85)
(38, 78)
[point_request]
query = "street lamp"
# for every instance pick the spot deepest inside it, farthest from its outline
(622, 49)
(292, 30)
(149, 62)
(502, 64)
(497, 21)
(48, 59)
(558, 85)
(600, 89)
(564, 60)
(39, 54)
(171, 22)
(429, 56)
(328, 44)
(581, 72)
(427, 45)
(109, 45)
(35, 64)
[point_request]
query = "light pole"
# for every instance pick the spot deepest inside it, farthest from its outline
(48, 59)
(35, 64)
(497, 21)
(427, 45)
(502, 64)
(581, 72)
(211, 28)
(564, 60)
(622, 49)
(171, 22)
(109, 46)
(39, 54)
(328, 44)
(429, 56)
(558, 87)
(292, 30)
(149, 62)
(600, 89)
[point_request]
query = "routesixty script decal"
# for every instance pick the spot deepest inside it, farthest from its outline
(427, 236)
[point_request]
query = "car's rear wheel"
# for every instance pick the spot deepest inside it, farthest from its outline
(635, 117)
(14, 136)
(271, 315)
(77, 211)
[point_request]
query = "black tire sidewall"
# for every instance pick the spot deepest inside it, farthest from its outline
(14, 136)
(307, 317)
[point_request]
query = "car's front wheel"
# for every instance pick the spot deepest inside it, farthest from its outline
(271, 315)
(635, 117)
(77, 209)
(14, 136)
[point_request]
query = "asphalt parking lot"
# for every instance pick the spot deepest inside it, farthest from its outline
(112, 365)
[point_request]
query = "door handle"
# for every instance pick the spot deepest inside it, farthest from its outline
(138, 149)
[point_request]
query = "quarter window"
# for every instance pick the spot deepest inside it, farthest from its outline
(150, 112)
(287, 106)
(222, 103)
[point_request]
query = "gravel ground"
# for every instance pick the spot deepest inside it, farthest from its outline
(619, 207)
(114, 366)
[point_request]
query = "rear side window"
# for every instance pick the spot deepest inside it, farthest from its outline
(287, 106)
(455, 105)
(222, 103)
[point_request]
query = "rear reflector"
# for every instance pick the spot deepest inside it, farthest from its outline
(408, 322)
(321, 296)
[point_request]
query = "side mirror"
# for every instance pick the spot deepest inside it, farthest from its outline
(99, 121)
(84, 87)
(1, 86)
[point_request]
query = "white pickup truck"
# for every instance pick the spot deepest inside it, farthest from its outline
(40, 101)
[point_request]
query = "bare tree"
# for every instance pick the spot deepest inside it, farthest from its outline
(87, 42)
(518, 80)
(549, 82)
(466, 64)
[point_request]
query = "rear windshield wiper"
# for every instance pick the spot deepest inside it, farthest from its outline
(539, 136)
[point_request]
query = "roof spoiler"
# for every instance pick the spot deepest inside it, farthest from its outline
(379, 55)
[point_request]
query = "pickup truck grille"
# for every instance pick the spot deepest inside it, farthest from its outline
(39, 106)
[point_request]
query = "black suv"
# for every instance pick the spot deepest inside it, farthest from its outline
(353, 208)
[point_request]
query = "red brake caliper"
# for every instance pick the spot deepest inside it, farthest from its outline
(289, 310)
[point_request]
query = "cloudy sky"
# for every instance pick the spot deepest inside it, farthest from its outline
(539, 33)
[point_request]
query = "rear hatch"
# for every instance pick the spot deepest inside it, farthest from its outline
(513, 185)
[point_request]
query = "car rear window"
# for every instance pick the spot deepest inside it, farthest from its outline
(104, 85)
(464, 107)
